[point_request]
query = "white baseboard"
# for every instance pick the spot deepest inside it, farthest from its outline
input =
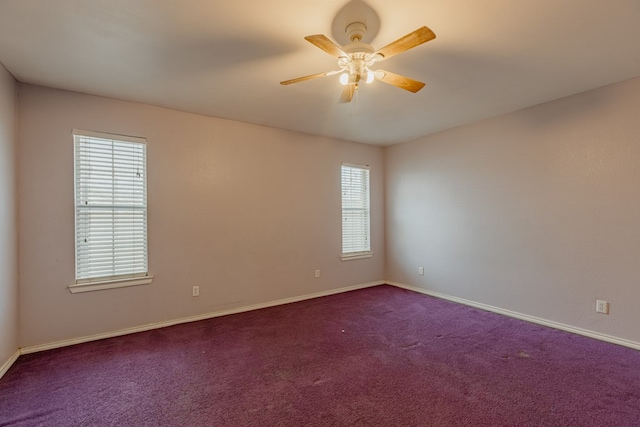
(148, 327)
(526, 317)
(6, 365)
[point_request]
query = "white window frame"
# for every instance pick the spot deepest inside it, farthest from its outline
(115, 274)
(356, 243)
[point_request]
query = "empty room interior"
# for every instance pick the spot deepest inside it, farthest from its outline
(495, 151)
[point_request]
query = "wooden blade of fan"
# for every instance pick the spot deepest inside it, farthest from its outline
(347, 93)
(398, 81)
(324, 43)
(411, 40)
(310, 77)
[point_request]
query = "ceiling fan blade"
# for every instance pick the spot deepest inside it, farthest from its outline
(398, 81)
(324, 43)
(347, 93)
(411, 40)
(310, 77)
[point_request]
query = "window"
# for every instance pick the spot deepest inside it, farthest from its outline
(355, 212)
(110, 211)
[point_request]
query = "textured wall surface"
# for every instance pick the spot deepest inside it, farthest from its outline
(8, 221)
(245, 212)
(536, 212)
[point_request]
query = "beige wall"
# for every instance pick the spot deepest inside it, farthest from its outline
(536, 212)
(245, 212)
(8, 220)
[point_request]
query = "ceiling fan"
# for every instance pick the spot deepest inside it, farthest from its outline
(356, 59)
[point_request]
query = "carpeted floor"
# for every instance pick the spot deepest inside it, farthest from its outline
(381, 356)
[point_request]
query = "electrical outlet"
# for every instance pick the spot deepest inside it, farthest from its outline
(317, 273)
(421, 271)
(195, 292)
(602, 306)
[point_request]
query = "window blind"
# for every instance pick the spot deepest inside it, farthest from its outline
(355, 210)
(111, 206)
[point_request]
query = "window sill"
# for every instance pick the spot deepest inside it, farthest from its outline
(359, 255)
(109, 284)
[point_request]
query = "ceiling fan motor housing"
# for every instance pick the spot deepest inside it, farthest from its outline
(359, 55)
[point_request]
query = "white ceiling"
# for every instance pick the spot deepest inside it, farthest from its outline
(226, 58)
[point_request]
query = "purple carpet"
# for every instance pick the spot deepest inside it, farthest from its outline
(381, 356)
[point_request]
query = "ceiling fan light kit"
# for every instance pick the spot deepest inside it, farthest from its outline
(356, 59)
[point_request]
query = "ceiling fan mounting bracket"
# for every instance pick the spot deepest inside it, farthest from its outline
(355, 31)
